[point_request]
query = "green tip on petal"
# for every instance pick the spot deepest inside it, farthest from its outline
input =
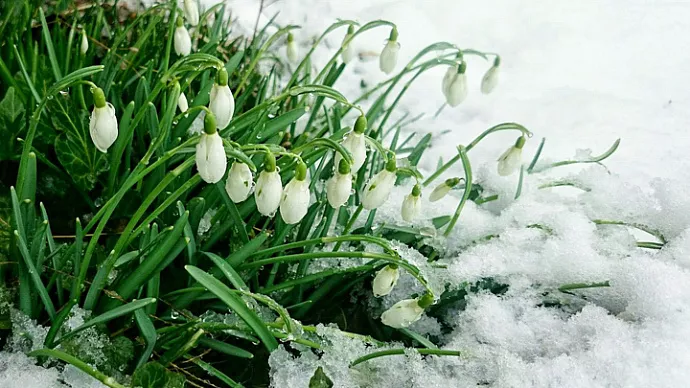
(391, 164)
(210, 123)
(222, 76)
(361, 124)
(425, 301)
(416, 191)
(393, 37)
(270, 162)
(98, 97)
(452, 182)
(350, 29)
(520, 142)
(180, 22)
(344, 167)
(301, 171)
(462, 67)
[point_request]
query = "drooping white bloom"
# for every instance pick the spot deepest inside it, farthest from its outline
(379, 187)
(348, 51)
(402, 314)
(210, 157)
(448, 78)
(182, 103)
(84, 42)
(295, 202)
(389, 56)
(183, 42)
(412, 204)
(103, 122)
(269, 188)
(191, 12)
(339, 187)
(490, 78)
(385, 280)
(443, 189)
(239, 182)
(291, 49)
(355, 143)
(222, 103)
(510, 161)
(456, 89)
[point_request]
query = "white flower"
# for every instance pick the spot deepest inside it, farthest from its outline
(84, 42)
(456, 87)
(291, 49)
(210, 157)
(385, 280)
(191, 12)
(103, 122)
(443, 189)
(182, 103)
(268, 192)
(379, 187)
(239, 182)
(402, 314)
(355, 143)
(295, 202)
(389, 56)
(510, 161)
(183, 42)
(448, 78)
(222, 103)
(412, 204)
(348, 51)
(490, 78)
(339, 187)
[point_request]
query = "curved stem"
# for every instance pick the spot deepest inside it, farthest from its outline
(393, 352)
(468, 189)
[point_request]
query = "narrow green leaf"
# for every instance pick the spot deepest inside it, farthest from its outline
(226, 348)
(148, 332)
(55, 66)
(79, 364)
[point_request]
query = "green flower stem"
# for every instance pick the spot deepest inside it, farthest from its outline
(456, 158)
(349, 225)
(315, 330)
(578, 286)
(315, 277)
(468, 188)
(594, 159)
(79, 364)
(326, 240)
(392, 352)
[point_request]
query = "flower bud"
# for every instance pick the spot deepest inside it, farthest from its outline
(355, 143)
(389, 55)
(191, 12)
(239, 182)
(443, 189)
(490, 79)
(84, 42)
(103, 122)
(406, 312)
(348, 51)
(182, 40)
(210, 153)
(339, 187)
(510, 161)
(296, 195)
(379, 187)
(269, 188)
(412, 204)
(221, 102)
(385, 280)
(455, 87)
(291, 49)
(182, 103)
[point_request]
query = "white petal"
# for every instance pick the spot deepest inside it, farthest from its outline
(84, 43)
(222, 104)
(402, 314)
(490, 80)
(356, 144)
(183, 42)
(191, 12)
(411, 207)
(210, 158)
(378, 189)
(338, 189)
(448, 79)
(268, 192)
(389, 57)
(457, 90)
(239, 183)
(348, 52)
(182, 103)
(291, 50)
(295, 202)
(103, 127)
(385, 280)
(509, 161)
(439, 192)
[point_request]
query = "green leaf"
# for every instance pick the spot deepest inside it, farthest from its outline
(320, 380)
(60, 355)
(11, 106)
(154, 375)
(84, 163)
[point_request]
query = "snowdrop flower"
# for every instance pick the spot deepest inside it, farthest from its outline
(103, 122)
(269, 188)
(448, 78)
(339, 187)
(379, 187)
(443, 189)
(348, 52)
(239, 182)
(455, 86)
(182, 103)
(191, 12)
(510, 160)
(406, 312)
(355, 143)
(210, 154)
(412, 204)
(183, 42)
(490, 79)
(291, 48)
(84, 42)
(385, 280)
(389, 55)
(222, 103)
(295, 202)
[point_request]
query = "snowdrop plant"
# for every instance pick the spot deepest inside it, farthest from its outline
(182, 103)
(406, 312)
(510, 160)
(385, 280)
(412, 204)
(389, 56)
(339, 186)
(490, 79)
(269, 188)
(443, 189)
(222, 102)
(183, 42)
(348, 51)
(84, 47)
(240, 182)
(210, 153)
(291, 49)
(355, 143)
(379, 187)
(191, 12)
(455, 85)
(103, 123)
(295, 202)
